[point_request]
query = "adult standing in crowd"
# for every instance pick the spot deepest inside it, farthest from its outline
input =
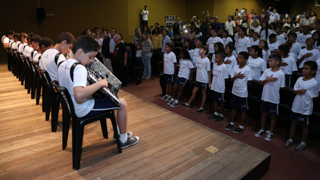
(106, 50)
(144, 16)
(264, 16)
(155, 26)
(165, 39)
(216, 24)
(112, 43)
(99, 41)
(230, 25)
(156, 39)
(205, 28)
(273, 15)
(146, 47)
(119, 60)
(137, 36)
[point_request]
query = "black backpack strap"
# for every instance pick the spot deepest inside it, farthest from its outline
(25, 47)
(32, 54)
(56, 58)
(72, 69)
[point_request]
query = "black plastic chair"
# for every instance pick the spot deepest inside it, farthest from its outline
(254, 101)
(79, 123)
(286, 99)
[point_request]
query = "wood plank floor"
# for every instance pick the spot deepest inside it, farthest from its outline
(171, 147)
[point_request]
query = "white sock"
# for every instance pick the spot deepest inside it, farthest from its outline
(232, 123)
(123, 137)
(216, 113)
(176, 101)
(118, 129)
(241, 127)
(303, 143)
(172, 99)
(290, 140)
(221, 115)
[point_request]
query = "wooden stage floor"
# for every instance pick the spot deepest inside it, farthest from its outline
(171, 146)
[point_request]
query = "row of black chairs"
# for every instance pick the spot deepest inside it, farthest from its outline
(35, 79)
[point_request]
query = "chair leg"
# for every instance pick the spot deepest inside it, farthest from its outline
(33, 87)
(65, 128)
(38, 87)
(104, 128)
(77, 148)
(116, 134)
(55, 111)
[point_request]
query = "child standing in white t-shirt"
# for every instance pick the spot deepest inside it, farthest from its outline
(255, 62)
(241, 77)
(288, 64)
(203, 77)
(138, 54)
(307, 54)
(217, 47)
(184, 75)
(263, 44)
(195, 56)
(302, 38)
(296, 47)
(225, 38)
(169, 66)
(273, 44)
(255, 39)
(280, 37)
(212, 40)
(243, 42)
(272, 80)
(220, 74)
(188, 45)
(306, 89)
(230, 60)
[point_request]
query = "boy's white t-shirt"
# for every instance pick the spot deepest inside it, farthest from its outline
(263, 34)
(292, 65)
(27, 52)
(302, 39)
(48, 63)
(296, 48)
(21, 47)
(240, 86)
(99, 41)
(185, 66)
(253, 42)
(168, 63)
(303, 103)
(316, 46)
(191, 53)
(79, 80)
(211, 41)
(226, 41)
(195, 56)
(270, 92)
(291, 54)
(256, 29)
(5, 39)
(265, 55)
(203, 66)
(145, 14)
(15, 45)
(243, 44)
(232, 64)
(273, 46)
(219, 74)
(318, 73)
(280, 39)
(256, 66)
(315, 56)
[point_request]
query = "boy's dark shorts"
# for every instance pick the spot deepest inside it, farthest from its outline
(239, 103)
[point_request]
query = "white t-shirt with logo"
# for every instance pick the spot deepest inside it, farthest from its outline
(219, 74)
(168, 63)
(211, 41)
(243, 44)
(226, 41)
(315, 56)
(256, 66)
(273, 46)
(303, 103)
(292, 65)
(203, 66)
(48, 63)
(270, 92)
(232, 64)
(240, 86)
(185, 66)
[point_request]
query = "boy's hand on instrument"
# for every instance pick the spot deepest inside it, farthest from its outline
(103, 82)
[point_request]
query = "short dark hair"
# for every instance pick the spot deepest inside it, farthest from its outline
(114, 29)
(243, 29)
(276, 57)
(244, 54)
(9, 32)
(145, 6)
(285, 48)
(65, 36)
(231, 46)
(86, 43)
(312, 64)
(29, 36)
(185, 52)
(279, 26)
(289, 44)
(251, 30)
(272, 36)
(293, 34)
(220, 53)
(199, 38)
(169, 44)
(157, 23)
(16, 35)
(35, 38)
(47, 42)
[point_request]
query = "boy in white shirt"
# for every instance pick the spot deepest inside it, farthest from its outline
(220, 75)
(16, 42)
(203, 77)
(5, 39)
(31, 50)
(307, 54)
(24, 42)
(296, 47)
(241, 76)
(84, 50)
(230, 60)
(198, 43)
(288, 64)
(302, 38)
(272, 80)
(243, 43)
(255, 39)
(44, 44)
(256, 63)
(273, 44)
(212, 40)
(169, 66)
(306, 89)
(52, 58)
(280, 37)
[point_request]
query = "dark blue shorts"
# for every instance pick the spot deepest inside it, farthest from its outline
(270, 108)
(100, 106)
(288, 80)
(168, 78)
(201, 85)
(218, 97)
(303, 119)
(180, 81)
(239, 103)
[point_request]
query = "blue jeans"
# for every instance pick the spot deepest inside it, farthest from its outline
(146, 64)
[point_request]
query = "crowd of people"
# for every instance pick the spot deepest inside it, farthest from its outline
(246, 47)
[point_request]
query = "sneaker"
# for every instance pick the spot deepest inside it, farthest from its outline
(260, 133)
(219, 119)
(229, 127)
(300, 147)
(268, 137)
(288, 143)
(213, 116)
(174, 104)
(168, 98)
(200, 110)
(130, 142)
(143, 77)
(186, 105)
(164, 97)
(238, 130)
(128, 133)
(147, 77)
(170, 102)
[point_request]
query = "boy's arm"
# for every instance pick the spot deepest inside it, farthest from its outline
(80, 93)
(191, 74)
(209, 76)
(249, 83)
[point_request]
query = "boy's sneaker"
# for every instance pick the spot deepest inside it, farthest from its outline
(129, 134)
(269, 137)
(300, 147)
(213, 116)
(219, 119)
(170, 102)
(186, 105)
(260, 133)
(200, 110)
(238, 130)
(229, 127)
(130, 142)
(288, 143)
(174, 104)
(164, 97)
(147, 77)
(168, 98)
